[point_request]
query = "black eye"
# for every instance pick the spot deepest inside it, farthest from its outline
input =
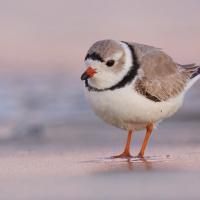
(110, 63)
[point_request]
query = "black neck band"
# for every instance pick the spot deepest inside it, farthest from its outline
(126, 79)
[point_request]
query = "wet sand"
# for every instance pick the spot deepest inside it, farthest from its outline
(86, 175)
(57, 167)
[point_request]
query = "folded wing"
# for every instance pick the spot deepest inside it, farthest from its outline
(160, 77)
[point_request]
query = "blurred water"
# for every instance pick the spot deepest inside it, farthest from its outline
(31, 104)
(29, 101)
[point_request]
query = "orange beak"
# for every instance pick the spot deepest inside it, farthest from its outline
(88, 73)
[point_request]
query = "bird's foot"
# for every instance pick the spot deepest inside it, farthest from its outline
(123, 155)
(140, 155)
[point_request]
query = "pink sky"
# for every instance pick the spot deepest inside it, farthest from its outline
(36, 34)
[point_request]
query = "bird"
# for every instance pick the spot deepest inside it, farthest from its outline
(135, 86)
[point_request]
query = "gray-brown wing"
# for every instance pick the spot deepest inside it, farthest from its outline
(161, 78)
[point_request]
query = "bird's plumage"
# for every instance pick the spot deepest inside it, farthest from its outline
(161, 77)
(144, 86)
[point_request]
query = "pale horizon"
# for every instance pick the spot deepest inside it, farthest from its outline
(39, 35)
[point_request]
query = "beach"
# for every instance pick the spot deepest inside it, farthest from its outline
(69, 158)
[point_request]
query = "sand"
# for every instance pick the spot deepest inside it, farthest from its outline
(57, 166)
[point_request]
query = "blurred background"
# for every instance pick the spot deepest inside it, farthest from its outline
(52, 146)
(42, 46)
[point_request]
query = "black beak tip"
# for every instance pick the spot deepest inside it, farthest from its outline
(84, 77)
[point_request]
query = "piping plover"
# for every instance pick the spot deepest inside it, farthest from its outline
(134, 86)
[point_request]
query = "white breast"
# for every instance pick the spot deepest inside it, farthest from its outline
(127, 109)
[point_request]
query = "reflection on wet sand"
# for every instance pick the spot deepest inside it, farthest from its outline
(149, 163)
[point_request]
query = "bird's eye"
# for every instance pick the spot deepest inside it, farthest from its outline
(110, 63)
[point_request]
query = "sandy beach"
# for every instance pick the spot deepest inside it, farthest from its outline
(61, 166)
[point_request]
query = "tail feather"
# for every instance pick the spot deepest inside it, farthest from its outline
(196, 73)
(192, 70)
(193, 78)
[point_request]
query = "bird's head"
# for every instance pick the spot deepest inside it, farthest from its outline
(106, 62)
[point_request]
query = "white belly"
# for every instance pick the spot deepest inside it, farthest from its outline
(129, 110)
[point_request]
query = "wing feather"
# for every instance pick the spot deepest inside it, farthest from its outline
(161, 78)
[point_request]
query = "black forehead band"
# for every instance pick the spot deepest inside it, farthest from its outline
(94, 56)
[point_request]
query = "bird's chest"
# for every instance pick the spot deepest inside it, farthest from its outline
(125, 107)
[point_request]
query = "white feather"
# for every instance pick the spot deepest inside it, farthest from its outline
(191, 82)
(127, 109)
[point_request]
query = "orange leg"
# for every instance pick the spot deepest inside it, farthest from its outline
(126, 152)
(146, 139)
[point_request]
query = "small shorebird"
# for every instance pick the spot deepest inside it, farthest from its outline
(134, 86)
